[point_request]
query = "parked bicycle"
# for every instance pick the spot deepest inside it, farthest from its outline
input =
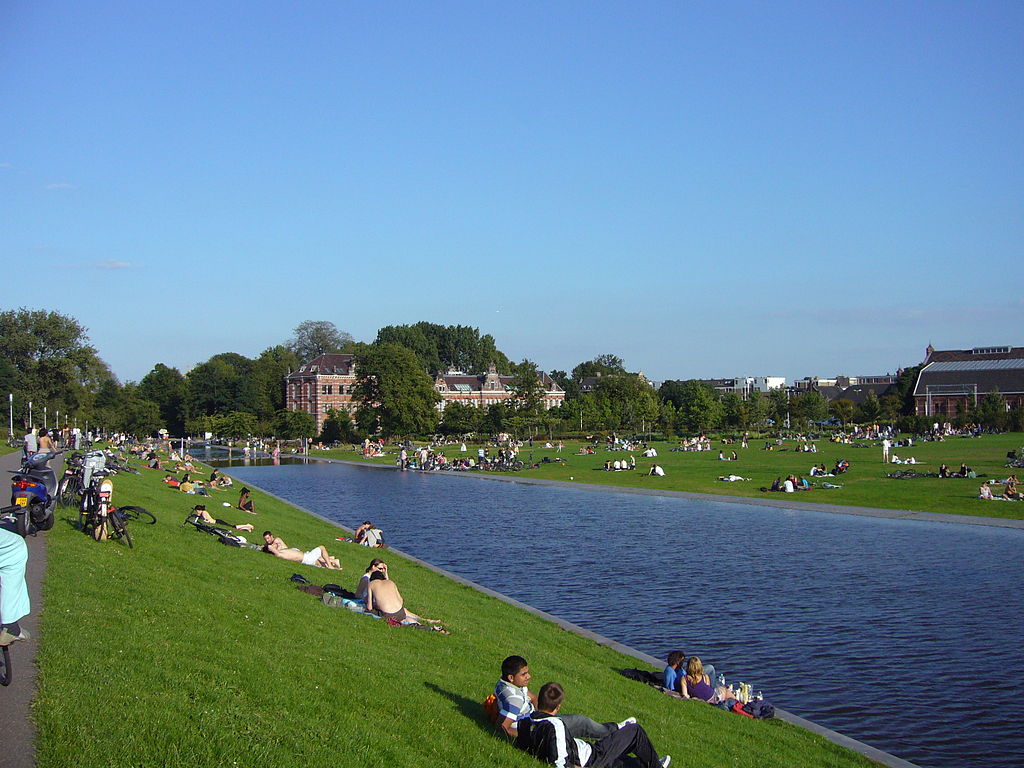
(98, 516)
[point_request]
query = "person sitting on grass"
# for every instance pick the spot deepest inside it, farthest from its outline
(985, 492)
(1010, 491)
(368, 536)
(317, 556)
(245, 502)
(656, 471)
(697, 684)
(364, 581)
(515, 702)
(187, 486)
(674, 675)
(384, 599)
(199, 510)
(545, 736)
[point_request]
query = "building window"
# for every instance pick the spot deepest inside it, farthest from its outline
(326, 389)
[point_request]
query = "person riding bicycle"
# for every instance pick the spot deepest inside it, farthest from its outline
(14, 602)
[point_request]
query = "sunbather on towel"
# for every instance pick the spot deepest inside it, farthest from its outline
(199, 510)
(317, 556)
(384, 599)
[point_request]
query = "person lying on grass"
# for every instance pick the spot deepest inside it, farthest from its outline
(199, 510)
(317, 556)
(384, 599)
(545, 736)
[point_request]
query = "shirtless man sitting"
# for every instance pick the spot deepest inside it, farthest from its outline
(317, 556)
(384, 599)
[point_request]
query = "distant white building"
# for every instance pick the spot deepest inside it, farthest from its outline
(744, 386)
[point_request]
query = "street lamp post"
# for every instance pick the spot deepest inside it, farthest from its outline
(44, 417)
(10, 411)
(30, 422)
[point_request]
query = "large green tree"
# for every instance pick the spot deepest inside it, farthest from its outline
(439, 348)
(54, 364)
(222, 384)
(167, 388)
(461, 418)
(315, 337)
(394, 394)
(697, 403)
(269, 370)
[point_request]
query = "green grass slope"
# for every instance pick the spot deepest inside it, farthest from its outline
(185, 652)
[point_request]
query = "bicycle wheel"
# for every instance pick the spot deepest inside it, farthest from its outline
(6, 673)
(119, 528)
(138, 513)
(68, 490)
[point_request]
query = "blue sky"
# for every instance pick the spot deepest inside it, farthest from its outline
(704, 189)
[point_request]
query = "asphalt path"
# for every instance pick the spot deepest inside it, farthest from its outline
(18, 744)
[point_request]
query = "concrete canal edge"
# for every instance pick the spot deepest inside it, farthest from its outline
(877, 755)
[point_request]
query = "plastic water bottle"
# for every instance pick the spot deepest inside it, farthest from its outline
(760, 696)
(721, 680)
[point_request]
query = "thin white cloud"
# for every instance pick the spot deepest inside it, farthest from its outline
(61, 185)
(113, 264)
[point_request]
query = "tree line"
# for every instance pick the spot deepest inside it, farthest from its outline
(46, 359)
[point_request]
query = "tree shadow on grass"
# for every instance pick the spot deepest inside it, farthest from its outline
(470, 709)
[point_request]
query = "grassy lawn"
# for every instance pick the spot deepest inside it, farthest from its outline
(865, 484)
(185, 652)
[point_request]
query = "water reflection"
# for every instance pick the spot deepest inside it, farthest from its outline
(860, 624)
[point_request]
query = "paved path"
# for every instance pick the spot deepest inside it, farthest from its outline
(18, 748)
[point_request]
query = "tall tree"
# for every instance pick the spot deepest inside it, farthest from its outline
(843, 410)
(269, 370)
(871, 409)
(529, 391)
(394, 394)
(460, 418)
(442, 347)
(315, 337)
(701, 409)
(55, 365)
(222, 384)
(167, 388)
(602, 365)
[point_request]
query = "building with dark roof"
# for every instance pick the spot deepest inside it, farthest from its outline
(948, 387)
(327, 383)
(933, 355)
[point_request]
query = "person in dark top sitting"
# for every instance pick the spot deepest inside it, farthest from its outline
(546, 737)
(245, 502)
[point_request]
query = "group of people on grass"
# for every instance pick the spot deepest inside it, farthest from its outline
(1010, 492)
(538, 726)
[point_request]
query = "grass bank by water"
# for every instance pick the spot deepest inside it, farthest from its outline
(865, 484)
(185, 652)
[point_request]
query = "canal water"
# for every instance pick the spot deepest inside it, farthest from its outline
(905, 635)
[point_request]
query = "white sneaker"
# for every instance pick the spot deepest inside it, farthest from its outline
(627, 721)
(665, 761)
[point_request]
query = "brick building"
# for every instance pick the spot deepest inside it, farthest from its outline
(489, 388)
(953, 379)
(327, 382)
